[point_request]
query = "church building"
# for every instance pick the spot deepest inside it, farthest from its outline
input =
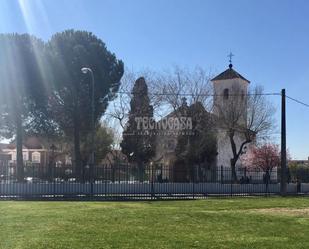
(230, 90)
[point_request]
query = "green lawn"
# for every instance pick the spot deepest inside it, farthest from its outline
(213, 223)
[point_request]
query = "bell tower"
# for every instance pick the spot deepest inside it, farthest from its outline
(230, 91)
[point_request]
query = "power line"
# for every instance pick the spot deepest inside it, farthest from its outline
(205, 95)
(219, 95)
(297, 101)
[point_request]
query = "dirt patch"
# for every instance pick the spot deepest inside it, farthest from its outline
(304, 212)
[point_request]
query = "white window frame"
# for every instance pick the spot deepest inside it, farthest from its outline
(13, 156)
(25, 155)
(36, 157)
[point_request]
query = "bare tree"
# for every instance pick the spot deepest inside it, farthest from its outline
(173, 86)
(245, 118)
(118, 110)
(113, 156)
(166, 91)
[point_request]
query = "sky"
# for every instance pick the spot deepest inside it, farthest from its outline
(270, 40)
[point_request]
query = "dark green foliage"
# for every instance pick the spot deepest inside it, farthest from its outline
(197, 147)
(139, 142)
(298, 172)
(44, 91)
(22, 92)
(70, 51)
(21, 85)
(70, 101)
(103, 141)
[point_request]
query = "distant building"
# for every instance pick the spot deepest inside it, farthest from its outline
(224, 86)
(38, 152)
(3, 156)
(304, 162)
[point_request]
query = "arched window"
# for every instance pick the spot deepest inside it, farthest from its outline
(26, 156)
(13, 157)
(36, 157)
(226, 93)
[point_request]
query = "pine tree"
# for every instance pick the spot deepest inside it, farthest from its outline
(70, 100)
(139, 140)
(22, 89)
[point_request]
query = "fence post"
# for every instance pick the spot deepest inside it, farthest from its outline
(193, 187)
(91, 179)
(105, 177)
(152, 179)
(221, 174)
(231, 183)
(53, 180)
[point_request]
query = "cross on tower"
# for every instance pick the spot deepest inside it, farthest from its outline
(230, 55)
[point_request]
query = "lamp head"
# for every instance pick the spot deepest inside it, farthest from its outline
(85, 70)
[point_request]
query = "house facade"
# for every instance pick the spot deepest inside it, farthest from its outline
(38, 154)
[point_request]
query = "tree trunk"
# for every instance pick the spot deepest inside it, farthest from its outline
(113, 172)
(236, 153)
(77, 154)
(233, 169)
(141, 171)
(234, 159)
(19, 148)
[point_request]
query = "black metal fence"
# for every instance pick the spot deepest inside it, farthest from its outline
(123, 181)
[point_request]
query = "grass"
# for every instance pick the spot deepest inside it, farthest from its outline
(213, 223)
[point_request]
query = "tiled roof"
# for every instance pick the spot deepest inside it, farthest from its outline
(229, 74)
(29, 143)
(3, 146)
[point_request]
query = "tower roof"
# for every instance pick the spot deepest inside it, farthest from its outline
(230, 73)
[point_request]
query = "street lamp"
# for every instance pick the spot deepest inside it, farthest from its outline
(86, 70)
(52, 169)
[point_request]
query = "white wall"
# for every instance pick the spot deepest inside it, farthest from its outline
(235, 86)
(225, 152)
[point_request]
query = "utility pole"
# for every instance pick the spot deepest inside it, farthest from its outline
(283, 145)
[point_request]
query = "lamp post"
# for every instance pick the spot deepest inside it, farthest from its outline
(52, 169)
(86, 70)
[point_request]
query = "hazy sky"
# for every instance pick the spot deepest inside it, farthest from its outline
(270, 40)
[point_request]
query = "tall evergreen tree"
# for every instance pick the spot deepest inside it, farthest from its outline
(22, 88)
(139, 140)
(70, 100)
